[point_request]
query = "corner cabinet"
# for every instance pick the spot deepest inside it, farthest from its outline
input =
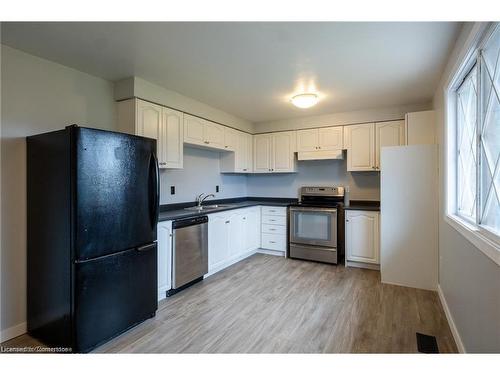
(362, 238)
(364, 142)
(164, 230)
(275, 152)
(241, 159)
(232, 235)
(150, 120)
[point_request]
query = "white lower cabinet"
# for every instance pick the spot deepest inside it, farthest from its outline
(164, 230)
(362, 238)
(232, 236)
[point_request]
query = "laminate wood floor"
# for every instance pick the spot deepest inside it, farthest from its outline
(268, 304)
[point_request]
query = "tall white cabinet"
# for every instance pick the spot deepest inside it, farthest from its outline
(150, 120)
(275, 152)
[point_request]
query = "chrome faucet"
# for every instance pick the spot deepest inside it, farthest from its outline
(200, 198)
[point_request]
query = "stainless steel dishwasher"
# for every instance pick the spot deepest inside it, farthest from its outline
(189, 253)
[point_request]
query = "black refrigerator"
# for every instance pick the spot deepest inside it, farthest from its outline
(92, 208)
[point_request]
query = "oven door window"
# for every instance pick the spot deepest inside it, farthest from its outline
(314, 228)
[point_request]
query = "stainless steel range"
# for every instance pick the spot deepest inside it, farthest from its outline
(316, 224)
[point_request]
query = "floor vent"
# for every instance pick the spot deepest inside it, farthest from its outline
(427, 344)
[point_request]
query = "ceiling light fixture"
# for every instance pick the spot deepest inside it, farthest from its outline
(305, 100)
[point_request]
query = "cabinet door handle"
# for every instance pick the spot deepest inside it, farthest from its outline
(227, 222)
(226, 146)
(272, 242)
(272, 229)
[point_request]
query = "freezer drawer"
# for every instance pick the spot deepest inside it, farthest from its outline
(114, 293)
(316, 253)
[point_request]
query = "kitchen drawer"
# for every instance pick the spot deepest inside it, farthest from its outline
(273, 241)
(273, 229)
(275, 220)
(275, 211)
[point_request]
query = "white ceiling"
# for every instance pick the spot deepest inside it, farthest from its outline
(251, 69)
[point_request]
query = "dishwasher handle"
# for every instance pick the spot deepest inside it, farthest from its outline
(177, 224)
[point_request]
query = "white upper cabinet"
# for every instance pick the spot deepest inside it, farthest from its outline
(331, 138)
(275, 152)
(262, 153)
(200, 132)
(364, 143)
(230, 138)
(150, 120)
(214, 135)
(194, 130)
(321, 139)
(239, 161)
(360, 143)
(420, 128)
(389, 133)
(362, 236)
(173, 131)
(307, 140)
(283, 151)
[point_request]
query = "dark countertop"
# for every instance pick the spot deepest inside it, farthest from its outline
(176, 211)
(363, 205)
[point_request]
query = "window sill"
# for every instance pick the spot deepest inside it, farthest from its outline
(472, 234)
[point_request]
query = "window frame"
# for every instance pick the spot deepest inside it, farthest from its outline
(484, 239)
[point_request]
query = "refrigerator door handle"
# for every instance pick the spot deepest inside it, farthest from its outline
(155, 174)
(147, 247)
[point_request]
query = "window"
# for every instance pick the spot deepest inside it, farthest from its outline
(466, 146)
(477, 148)
(489, 135)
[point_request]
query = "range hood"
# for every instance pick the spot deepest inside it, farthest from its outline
(320, 155)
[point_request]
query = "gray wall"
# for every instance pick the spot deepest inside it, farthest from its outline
(201, 174)
(470, 280)
(37, 96)
(363, 185)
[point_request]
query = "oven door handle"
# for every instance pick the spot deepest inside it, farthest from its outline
(313, 209)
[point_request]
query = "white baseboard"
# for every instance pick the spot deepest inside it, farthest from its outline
(451, 322)
(271, 252)
(230, 262)
(349, 263)
(11, 332)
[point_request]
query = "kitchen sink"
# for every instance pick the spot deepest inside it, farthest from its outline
(207, 207)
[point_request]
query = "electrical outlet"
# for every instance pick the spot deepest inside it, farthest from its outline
(172, 190)
(216, 188)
